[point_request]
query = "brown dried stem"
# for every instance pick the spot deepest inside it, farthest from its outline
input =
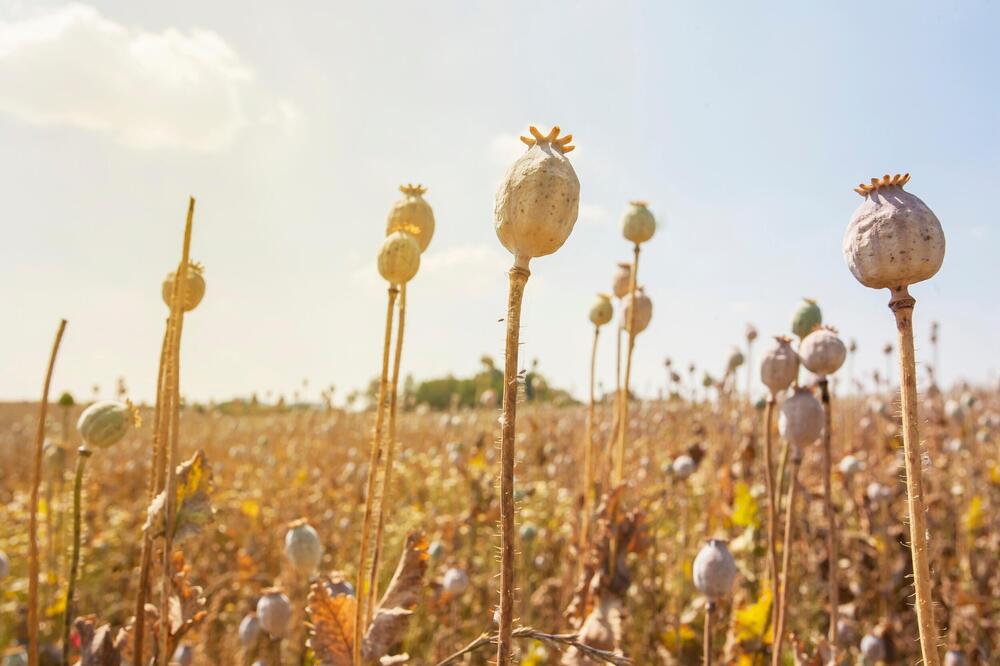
(786, 556)
(832, 549)
(560, 640)
(624, 393)
(83, 453)
(772, 546)
(588, 454)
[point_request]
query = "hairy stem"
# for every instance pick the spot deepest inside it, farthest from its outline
(832, 549)
(786, 560)
(772, 547)
(83, 453)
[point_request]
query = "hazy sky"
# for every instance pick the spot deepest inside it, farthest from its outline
(746, 125)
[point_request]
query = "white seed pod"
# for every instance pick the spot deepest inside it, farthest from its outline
(601, 312)
(877, 493)
(274, 612)
(399, 258)
(801, 419)
(643, 310)
(183, 655)
(872, 649)
(893, 239)
(714, 569)
(638, 223)
(850, 465)
(104, 423)
(303, 547)
(683, 466)
(955, 658)
(538, 201)
(194, 287)
(780, 365)
(413, 215)
(249, 629)
(621, 283)
(822, 352)
(4, 565)
(455, 581)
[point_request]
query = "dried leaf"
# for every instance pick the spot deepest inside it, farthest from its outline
(193, 508)
(394, 610)
(332, 624)
(602, 630)
(97, 648)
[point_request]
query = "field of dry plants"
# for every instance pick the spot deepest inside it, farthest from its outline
(825, 524)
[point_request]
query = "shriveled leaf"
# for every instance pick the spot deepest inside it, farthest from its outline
(394, 610)
(193, 506)
(186, 606)
(148, 641)
(97, 647)
(331, 617)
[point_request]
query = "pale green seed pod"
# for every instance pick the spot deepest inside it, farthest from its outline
(601, 312)
(806, 318)
(303, 547)
(399, 258)
(822, 352)
(413, 215)
(893, 238)
(194, 287)
(104, 423)
(801, 419)
(538, 201)
(638, 223)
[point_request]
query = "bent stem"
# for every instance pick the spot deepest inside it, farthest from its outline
(518, 277)
(772, 547)
(832, 549)
(588, 455)
(389, 455)
(373, 465)
(901, 305)
(786, 559)
(33, 564)
(83, 453)
(624, 392)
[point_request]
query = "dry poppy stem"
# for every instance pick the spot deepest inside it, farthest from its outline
(518, 277)
(389, 456)
(33, 515)
(901, 305)
(588, 455)
(172, 415)
(772, 546)
(786, 556)
(707, 648)
(373, 465)
(832, 550)
(83, 453)
(623, 394)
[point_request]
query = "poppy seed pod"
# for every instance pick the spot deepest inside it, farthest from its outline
(194, 287)
(683, 466)
(822, 352)
(455, 581)
(249, 629)
(274, 612)
(183, 655)
(736, 359)
(399, 258)
(872, 649)
(601, 311)
(807, 316)
(780, 365)
(893, 238)
(622, 281)
(643, 310)
(104, 423)
(413, 215)
(538, 201)
(955, 658)
(850, 465)
(801, 418)
(4, 565)
(714, 569)
(638, 224)
(303, 547)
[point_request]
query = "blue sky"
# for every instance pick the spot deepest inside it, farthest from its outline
(746, 127)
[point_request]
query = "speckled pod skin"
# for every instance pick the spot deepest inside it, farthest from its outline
(780, 366)
(893, 238)
(714, 569)
(274, 611)
(413, 215)
(822, 352)
(638, 223)
(622, 281)
(801, 419)
(643, 311)
(807, 316)
(194, 288)
(538, 201)
(104, 423)
(303, 547)
(399, 258)
(601, 312)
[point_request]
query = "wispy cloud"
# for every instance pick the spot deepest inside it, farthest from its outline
(72, 66)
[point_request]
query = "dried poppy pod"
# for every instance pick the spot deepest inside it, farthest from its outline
(194, 287)
(801, 419)
(413, 215)
(714, 569)
(807, 316)
(274, 611)
(893, 239)
(538, 201)
(822, 351)
(104, 423)
(735, 360)
(780, 365)
(303, 547)
(601, 311)
(622, 280)
(643, 310)
(638, 224)
(399, 258)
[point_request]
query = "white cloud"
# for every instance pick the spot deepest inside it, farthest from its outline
(72, 66)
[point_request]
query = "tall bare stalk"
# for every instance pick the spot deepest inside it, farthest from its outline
(832, 546)
(588, 455)
(772, 546)
(786, 556)
(624, 391)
